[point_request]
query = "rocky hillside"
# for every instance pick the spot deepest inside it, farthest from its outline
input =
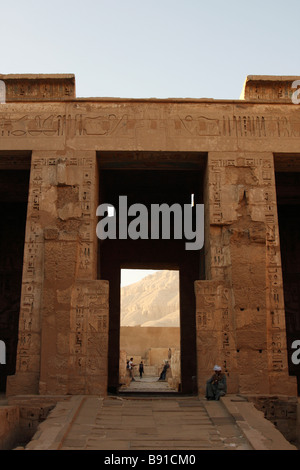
(153, 301)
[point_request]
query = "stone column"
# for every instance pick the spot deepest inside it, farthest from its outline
(26, 378)
(279, 380)
(216, 342)
(215, 324)
(70, 310)
(240, 315)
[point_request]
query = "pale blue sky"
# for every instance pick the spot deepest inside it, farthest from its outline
(162, 48)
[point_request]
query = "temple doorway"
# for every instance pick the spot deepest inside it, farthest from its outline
(14, 186)
(150, 331)
(287, 174)
(151, 178)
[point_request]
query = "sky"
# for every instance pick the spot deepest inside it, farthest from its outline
(157, 49)
(160, 49)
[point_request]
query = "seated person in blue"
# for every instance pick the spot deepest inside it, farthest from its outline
(164, 371)
(216, 386)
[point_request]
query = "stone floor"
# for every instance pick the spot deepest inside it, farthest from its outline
(148, 384)
(156, 424)
(149, 415)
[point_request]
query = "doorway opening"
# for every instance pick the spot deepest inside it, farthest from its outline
(152, 178)
(14, 186)
(287, 173)
(150, 331)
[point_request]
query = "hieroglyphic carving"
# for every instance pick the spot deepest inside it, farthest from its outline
(262, 174)
(214, 323)
(275, 302)
(200, 125)
(87, 201)
(32, 126)
(257, 89)
(43, 170)
(223, 303)
(37, 88)
(245, 126)
(215, 188)
(89, 329)
(259, 126)
(29, 322)
(82, 170)
(25, 327)
(101, 125)
(205, 307)
(109, 124)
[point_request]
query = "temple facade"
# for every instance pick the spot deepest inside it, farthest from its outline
(62, 156)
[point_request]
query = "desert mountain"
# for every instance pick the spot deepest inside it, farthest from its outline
(153, 301)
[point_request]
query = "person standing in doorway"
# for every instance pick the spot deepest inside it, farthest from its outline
(141, 369)
(130, 367)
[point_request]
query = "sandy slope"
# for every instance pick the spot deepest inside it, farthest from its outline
(153, 301)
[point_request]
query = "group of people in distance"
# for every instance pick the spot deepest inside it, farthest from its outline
(131, 365)
(216, 386)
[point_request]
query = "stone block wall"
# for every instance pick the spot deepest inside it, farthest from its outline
(282, 411)
(9, 426)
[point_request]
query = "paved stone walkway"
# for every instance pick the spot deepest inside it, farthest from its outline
(148, 384)
(156, 424)
(147, 415)
(161, 423)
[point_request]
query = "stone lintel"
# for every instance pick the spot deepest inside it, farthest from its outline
(39, 87)
(268, 88)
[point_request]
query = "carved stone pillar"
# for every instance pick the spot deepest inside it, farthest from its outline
(26, 378)
(240, 313)
(63, 331)
(215, 332)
